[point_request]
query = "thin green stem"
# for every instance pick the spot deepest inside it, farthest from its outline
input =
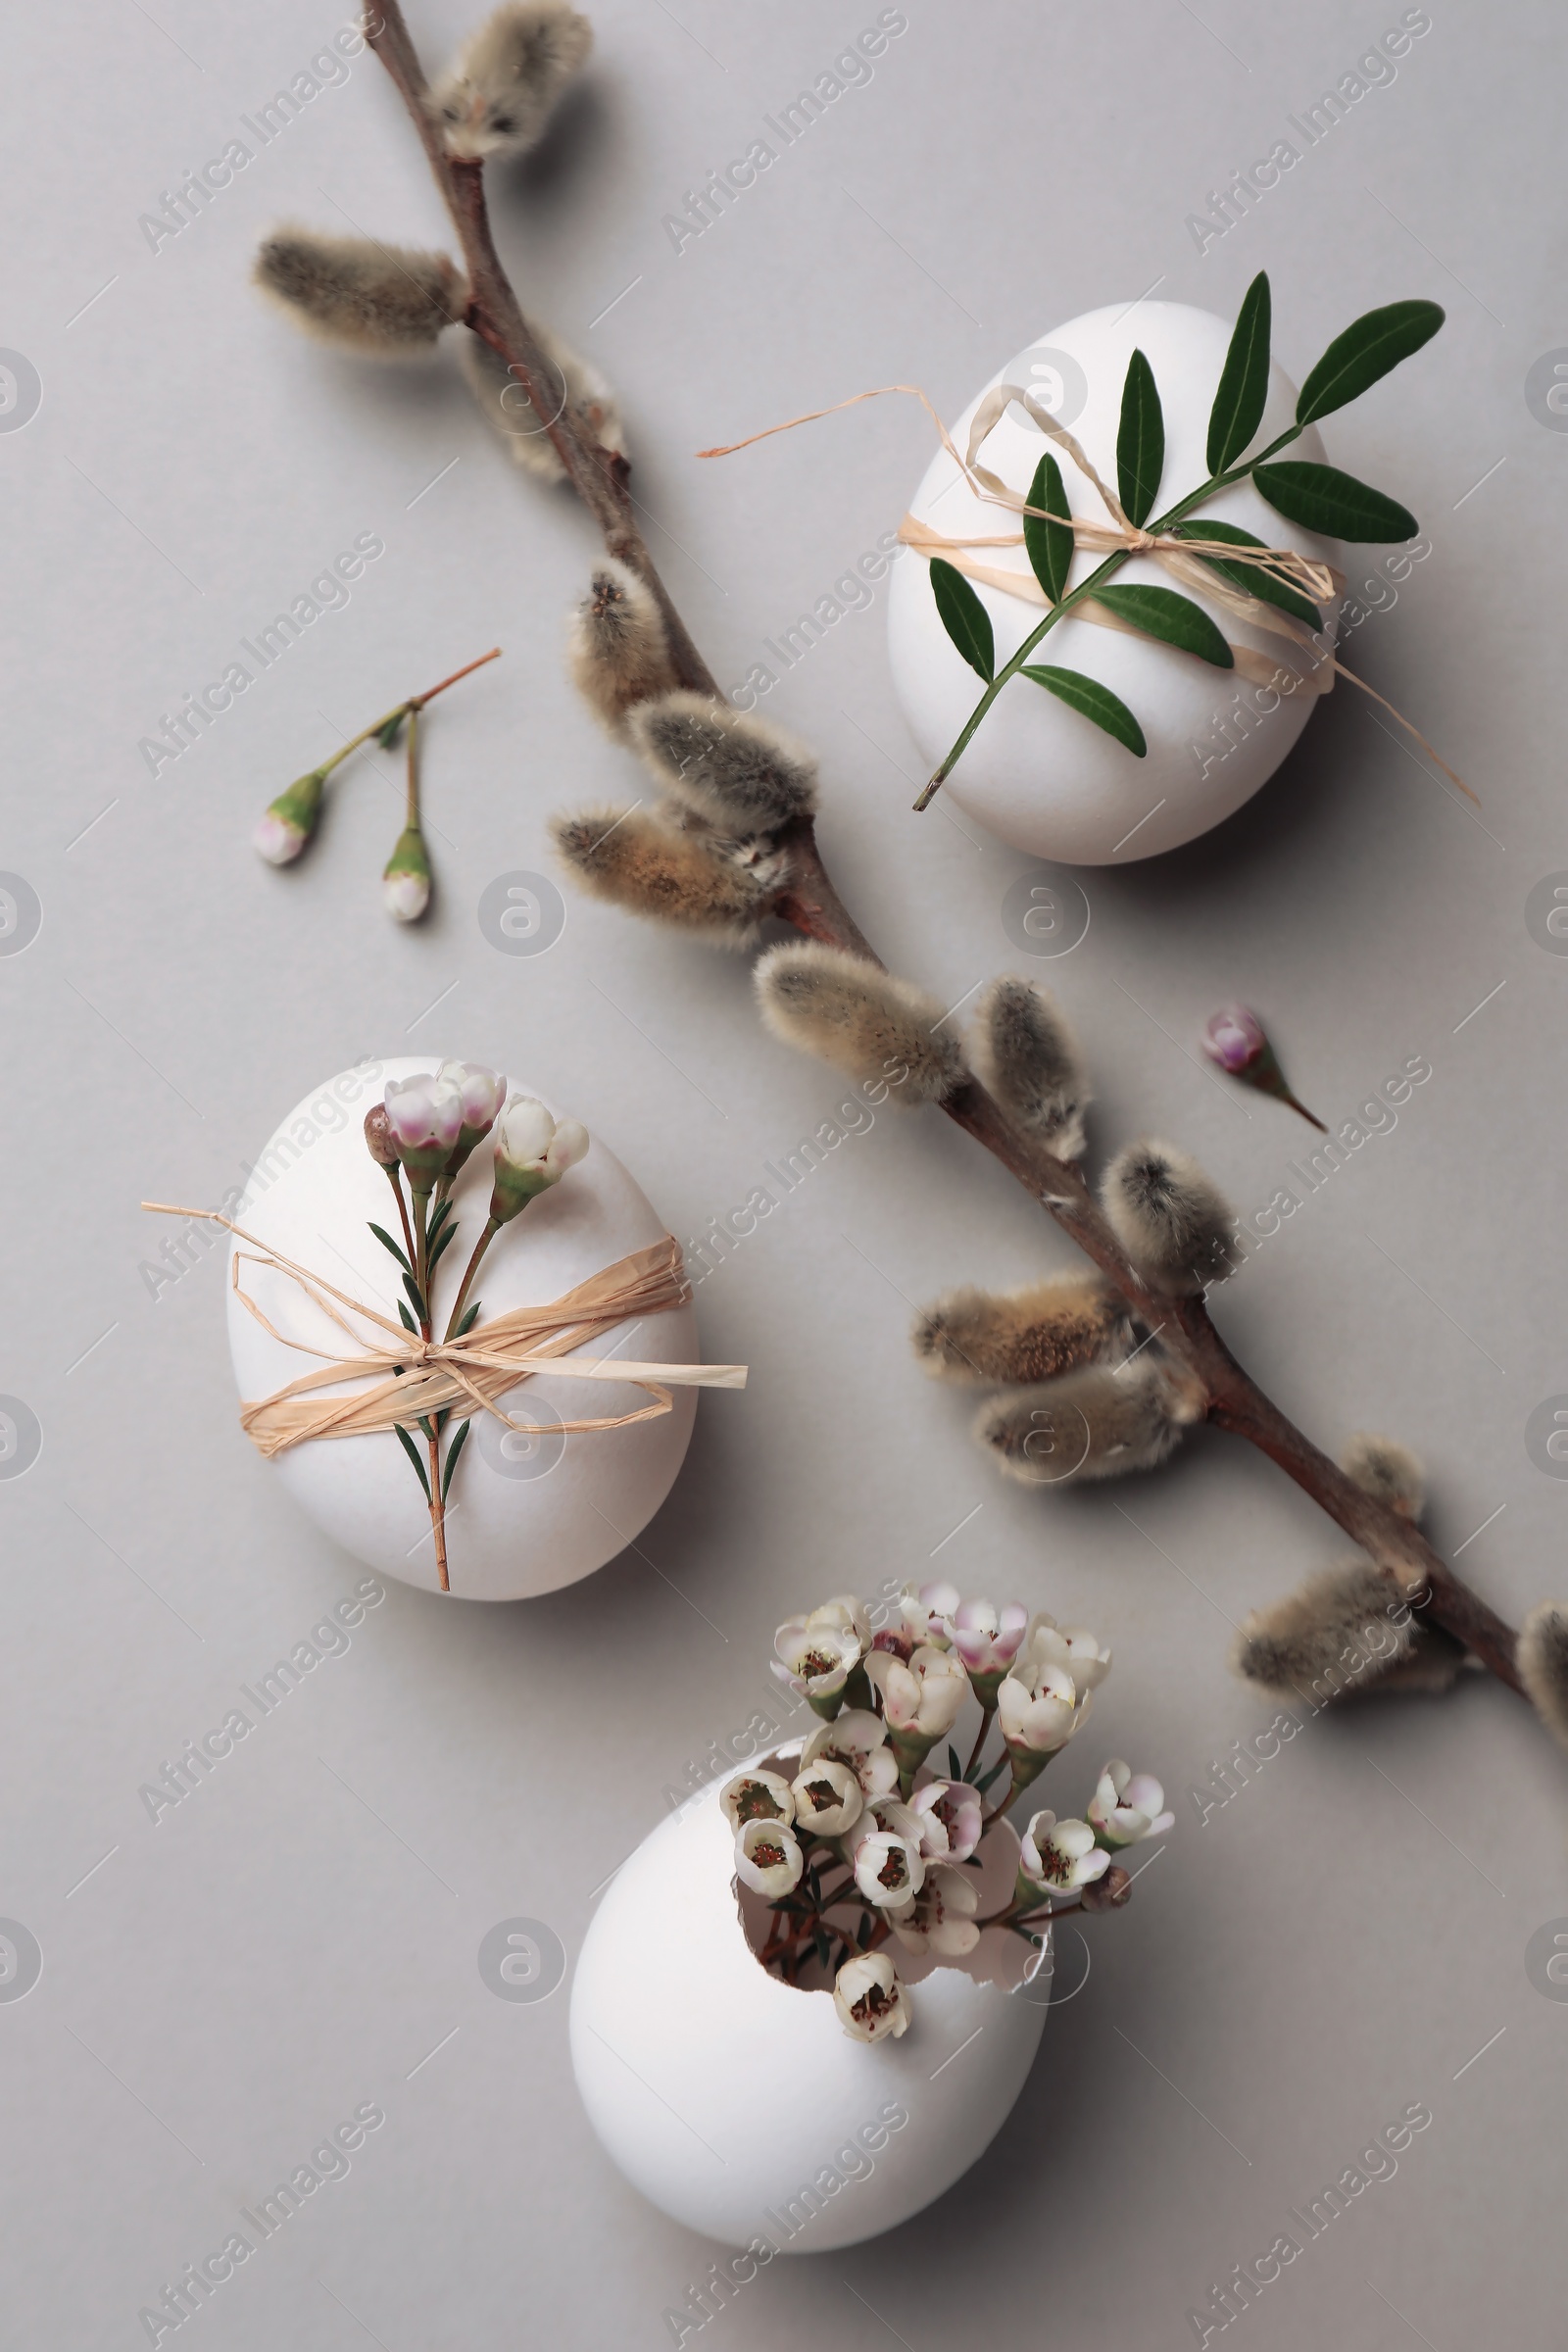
(394, 1177)
(411, 816)
(492, 1228)
(986, 1714)
(404, 710)
(1076, 596)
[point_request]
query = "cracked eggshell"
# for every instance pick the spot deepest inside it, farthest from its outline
(723, 2095)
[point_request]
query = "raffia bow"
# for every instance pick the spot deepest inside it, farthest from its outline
(1179, 557)
(421, 1378)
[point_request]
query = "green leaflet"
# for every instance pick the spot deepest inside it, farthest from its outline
(964, 618)
(452, 1457)
(1366, 351)
(1140, 441)
(1248, 575)
(387, 735)
(387, 1243)
(412, 1452)
(1320, 498)
(1243, 379)
(1050, 549)
(1093, 701)
(1175, 619)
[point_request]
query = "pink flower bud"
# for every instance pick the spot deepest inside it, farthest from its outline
(1234, 1039)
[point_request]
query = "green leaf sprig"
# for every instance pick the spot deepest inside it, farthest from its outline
(1318, 498)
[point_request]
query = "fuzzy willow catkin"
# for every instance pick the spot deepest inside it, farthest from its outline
(1096, 1423)
(1345, 1631)
(1169, 1216)
(1025, 1053)
(619, 654)
(521, 425)
(635, 860)
(826, 1002)
(738, 772)
(1029, 1335)
(502, 89)
(1544, 1666)
(1388, 1471)
(385, 299)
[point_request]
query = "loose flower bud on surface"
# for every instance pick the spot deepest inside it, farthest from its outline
(1235, 1043)
(291, 819)
(406, 880)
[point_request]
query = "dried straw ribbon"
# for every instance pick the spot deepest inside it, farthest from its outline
(423, 1377)
(1179, 557)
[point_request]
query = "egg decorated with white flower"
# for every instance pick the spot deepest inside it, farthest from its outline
(738, 2104)
(525, 1512)
(1037, 772)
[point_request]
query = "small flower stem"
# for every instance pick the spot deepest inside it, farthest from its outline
(417, 702)
(438, 1508)
(394, 1177)
(986, 1714)
(404, 710)
(411, 818)
(492, 1228)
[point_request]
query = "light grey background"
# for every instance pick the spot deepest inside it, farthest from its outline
(1348, 1933)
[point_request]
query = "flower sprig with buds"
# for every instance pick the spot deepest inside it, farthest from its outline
(422, 1133)
(289, 821)
(731, 842)
(857, 1839)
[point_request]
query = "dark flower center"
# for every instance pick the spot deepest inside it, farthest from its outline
(757, 1802)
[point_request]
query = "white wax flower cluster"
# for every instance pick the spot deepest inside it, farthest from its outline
(862, 1842)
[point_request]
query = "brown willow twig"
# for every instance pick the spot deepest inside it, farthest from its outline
(810, 904)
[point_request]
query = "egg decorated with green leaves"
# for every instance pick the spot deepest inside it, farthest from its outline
(1095, 725)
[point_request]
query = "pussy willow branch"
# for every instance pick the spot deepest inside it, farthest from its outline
(810, 904)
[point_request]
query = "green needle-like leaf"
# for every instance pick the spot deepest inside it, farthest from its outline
(416, 1300)
(1248, 575)
(1174, 619)
(1140, 441)
(1366, 351)
(1243, 379)
(387, 1243)
(452, 1458)
(983, 1783)
(387, 735)
(444, 1211)
(433, 1255)
(470, 1316)
(409, 1324)
(1320, 498)
(1094, 701)
(954, 1767)
(964, 618)
(1050, 549)
(412, 1452)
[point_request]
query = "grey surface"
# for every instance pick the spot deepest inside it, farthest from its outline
(1343, 1936)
